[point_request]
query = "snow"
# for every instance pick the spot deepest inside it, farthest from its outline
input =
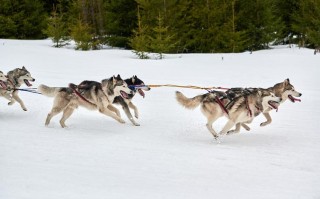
(171, 155)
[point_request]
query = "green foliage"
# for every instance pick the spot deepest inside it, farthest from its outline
(140, 40)
(121, 19)
(307, 24)
(187, 26)
(80, 33)
(161, 42)
(57, 29)
(24, 19)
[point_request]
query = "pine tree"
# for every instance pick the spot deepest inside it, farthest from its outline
(140, 41)
(22, 19)
(121, 19)
(80, 33)
(259, 22)
(57, 29)
(162, 41)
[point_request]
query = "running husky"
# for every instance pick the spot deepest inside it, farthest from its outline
(241, 109)
(15, 79)
(3, 79)
(136, 85)
(93, 95)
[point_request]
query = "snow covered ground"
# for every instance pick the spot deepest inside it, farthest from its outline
(171, 155)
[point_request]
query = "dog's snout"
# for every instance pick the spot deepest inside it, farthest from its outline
(300, 94)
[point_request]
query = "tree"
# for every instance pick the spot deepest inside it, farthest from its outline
(259, 22)
(306, 23)
(121, 19)
(23, 19)
(80, 33)
(140, 41)
(162, 41)
(57, 29)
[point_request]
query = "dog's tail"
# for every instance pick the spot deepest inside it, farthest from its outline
(189, 103)
(48, 91)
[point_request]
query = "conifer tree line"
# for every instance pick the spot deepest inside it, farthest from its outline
(164, 26)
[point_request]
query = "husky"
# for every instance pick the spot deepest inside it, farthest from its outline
(3, 80)
(239, 110)
(89, 94)
(136, 85)
(15, 79)
(285, 90)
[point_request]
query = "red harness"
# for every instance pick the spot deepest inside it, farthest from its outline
(74, 89)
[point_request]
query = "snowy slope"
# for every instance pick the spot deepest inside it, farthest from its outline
(171, 155)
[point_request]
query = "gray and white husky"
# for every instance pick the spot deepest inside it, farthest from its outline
(15, 79)
(3, 80)
(241, 109)
(89, 94)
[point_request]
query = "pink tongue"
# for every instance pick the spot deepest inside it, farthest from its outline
(141, 92)
(295, 99)
(27, 83)
(3, 85)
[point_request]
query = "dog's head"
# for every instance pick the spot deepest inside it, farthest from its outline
(3, 79)
(20, 76)
(286, 90)
(269, 99)
(136, 84)
(120, 87)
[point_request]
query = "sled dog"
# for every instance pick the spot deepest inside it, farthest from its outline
(285, 90)
(240, 109)
(133, 83)
(89, 94)
(3, 79)
(15, 79)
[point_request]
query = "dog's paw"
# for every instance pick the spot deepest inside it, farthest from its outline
(10, 103)
(232, 132)
(264, 124)
(217, 139)
(25, 109)
(136, 124)
(122, 121)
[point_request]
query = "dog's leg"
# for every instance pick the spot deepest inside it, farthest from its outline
(107, 112)
(136, 112)
(268, 117)
(236, 130)
(66, 114)
(58, 106)
(127, 111)
(227, 127)
(9, 97)
(209, 126)
(17, 98)
(245, 126)
(114, 109)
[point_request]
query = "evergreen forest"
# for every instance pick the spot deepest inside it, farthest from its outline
(164, 26)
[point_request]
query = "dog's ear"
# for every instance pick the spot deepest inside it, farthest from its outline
(24, 68)
(114, 80)
(118, 77)
(286, 82)
(133, 79)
